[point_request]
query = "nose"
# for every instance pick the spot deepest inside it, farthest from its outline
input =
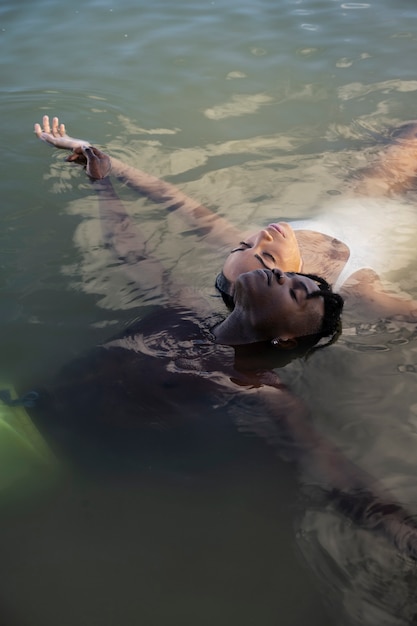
(265, 235)
(279, 276)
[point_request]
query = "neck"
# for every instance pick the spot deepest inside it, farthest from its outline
(232, 332)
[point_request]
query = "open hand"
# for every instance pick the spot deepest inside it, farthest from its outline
(57, 135)
(97, 164)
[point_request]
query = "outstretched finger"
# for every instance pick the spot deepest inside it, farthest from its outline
(62, 130)
(55, 123)
(38, 130)
(46, 127)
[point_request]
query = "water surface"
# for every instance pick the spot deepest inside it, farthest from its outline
(262, 110)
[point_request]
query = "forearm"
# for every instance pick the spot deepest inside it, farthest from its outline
(369, 299)
(360, 497)
(118, 229)
(394, 170)
(352, 491)
(216, 229)
(124, 238)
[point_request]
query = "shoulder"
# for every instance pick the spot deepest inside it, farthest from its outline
(163, 326)
(322, 254)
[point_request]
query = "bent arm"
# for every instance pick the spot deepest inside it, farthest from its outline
(217, 230)
(369, 298)
(354, 492)
(120, 232)
(395, 169)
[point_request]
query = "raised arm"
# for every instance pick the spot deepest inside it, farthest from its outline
(217, 230)
(121, 234)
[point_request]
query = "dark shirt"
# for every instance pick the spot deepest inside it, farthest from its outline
(161, 389)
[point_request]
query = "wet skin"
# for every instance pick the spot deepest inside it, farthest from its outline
(273, 247)
(271, 303)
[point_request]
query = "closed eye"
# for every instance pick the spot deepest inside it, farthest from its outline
(293, 295)
(262, 262)
(245, 247)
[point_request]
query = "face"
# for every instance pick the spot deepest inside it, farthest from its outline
(273, 247)
(272, 304)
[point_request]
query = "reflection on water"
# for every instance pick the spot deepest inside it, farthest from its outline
(260, 110)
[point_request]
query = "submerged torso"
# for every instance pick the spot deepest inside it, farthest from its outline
(161, 387)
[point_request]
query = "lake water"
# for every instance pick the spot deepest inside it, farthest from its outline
(263, 110)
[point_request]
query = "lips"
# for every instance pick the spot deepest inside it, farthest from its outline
(263, 273)
(272, 274)
(268, 274)
(277, 228)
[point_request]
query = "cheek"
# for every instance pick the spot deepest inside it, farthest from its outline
(273, 315)
(291, 259)
(237, 264)
(288, 258)
(306, 323)
(228, 268)
(295, 251)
